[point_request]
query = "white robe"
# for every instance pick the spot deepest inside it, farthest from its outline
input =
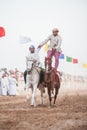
(33, 56)
(12, 86)
(6, 83)
(3, 87)
(55, 42)
(0, 87)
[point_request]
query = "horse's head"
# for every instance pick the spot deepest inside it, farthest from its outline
(30, 64)
(48, 63)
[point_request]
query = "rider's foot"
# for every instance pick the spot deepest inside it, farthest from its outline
(55, 70)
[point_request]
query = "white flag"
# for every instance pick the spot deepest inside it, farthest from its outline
(24, 39)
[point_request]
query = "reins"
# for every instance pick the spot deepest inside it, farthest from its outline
(48, 72)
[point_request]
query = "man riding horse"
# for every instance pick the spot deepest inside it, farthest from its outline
(54, 49)
(34, 56)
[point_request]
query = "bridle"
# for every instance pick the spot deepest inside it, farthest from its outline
(49, 71)
(33, 67)
(29, 71)
(51, 68)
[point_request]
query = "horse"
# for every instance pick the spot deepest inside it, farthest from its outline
(52, 80)
(32, 80)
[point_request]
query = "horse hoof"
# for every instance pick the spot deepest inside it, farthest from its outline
(54, 105)
(49, 106)
(32, 105)
(40, 105)
(27, 99)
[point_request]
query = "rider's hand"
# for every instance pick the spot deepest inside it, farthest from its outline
(53, 49)
(34, 60)
(39, 46)
(55, 45)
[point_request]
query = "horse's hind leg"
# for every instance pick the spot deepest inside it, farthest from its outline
(49, 93)
(27, 89)
(41, 93)
(41, 96)
(56, 91)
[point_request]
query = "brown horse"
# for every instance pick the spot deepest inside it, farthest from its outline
(51, 79)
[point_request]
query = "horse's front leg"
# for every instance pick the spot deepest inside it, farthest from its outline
(27, 87)
(49, 93)
(41, 98)
(33, 103)
(56, 93)
(42, 90)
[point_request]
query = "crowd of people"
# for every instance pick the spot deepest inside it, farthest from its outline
(9, 81)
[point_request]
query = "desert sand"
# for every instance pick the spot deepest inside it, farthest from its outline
(69, 113)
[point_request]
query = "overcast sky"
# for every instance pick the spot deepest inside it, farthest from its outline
(36, 19)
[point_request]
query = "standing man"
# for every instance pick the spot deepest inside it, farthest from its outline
(54, 48)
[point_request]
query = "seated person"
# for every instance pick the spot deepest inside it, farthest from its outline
(33, 55)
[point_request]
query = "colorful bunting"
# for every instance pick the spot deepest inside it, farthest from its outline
(2, 32)
(84, 65)
(75, 61)
(68, 59)
(61, 56)
(24, 39)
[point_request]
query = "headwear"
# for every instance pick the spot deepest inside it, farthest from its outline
(32, 46)
(55, 30)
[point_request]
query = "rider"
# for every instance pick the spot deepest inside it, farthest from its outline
(34, 55)
(54, 48)
(31, 56)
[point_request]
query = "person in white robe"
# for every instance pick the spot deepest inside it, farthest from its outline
(3, 86)
(12, 85)
(6, 82)
(0, 83)
(33, 55)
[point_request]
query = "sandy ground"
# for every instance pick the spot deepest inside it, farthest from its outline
(70, 112)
